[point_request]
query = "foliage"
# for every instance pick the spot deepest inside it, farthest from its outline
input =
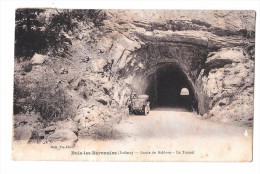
(106, 132)
(52, 105)
(97, 16)
(26, 66)
(29, 37)
(21, 93)
(46, 31)
(42, 31)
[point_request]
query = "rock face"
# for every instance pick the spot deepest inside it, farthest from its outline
(213, 49)
(230, 84)
(216, 59)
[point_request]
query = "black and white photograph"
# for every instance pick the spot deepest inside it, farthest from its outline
(133, 85)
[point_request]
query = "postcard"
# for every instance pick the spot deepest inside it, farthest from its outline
(133, 85)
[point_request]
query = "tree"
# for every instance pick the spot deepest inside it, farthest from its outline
(29, 37)
(34, 34)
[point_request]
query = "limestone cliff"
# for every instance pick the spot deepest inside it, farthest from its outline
(104, 64)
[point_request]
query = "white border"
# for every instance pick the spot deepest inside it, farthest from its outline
(6, 82)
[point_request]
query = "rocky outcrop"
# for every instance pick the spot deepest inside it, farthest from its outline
(230, 86)
(23, 133)
(25, 125)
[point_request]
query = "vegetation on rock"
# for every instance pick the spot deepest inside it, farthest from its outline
(82, 65)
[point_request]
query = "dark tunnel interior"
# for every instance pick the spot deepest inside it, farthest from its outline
(169, 87)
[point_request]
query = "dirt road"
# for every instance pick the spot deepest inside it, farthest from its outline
(177, 123)
(163, 135)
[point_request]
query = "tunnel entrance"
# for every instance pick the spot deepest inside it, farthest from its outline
(169, 87)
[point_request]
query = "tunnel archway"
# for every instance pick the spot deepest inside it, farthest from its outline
(185, 91)
(165, 87)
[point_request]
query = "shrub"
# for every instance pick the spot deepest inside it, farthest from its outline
(67, 20)
(97, 16)
(106, 132)
(21, 93)
(26, 66)
(29, 37)
(39, 31)
(52, 105)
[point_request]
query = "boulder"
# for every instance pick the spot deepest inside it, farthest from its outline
(84, 133)
(67, 124)
(25, 119)
(116, 52)
(107, 88)
(103, 79)
(224, 101)
(37, 136)
(61, 135)
(64, 71)
(38, 59)
(23, 132)
(50, 129)
(128, 44)
(79, 118)
(67, 38)
(80, 36)
(104, 44)
(104, 99)
(233, 81)
(216, 63)
(97, 64)
(123, 59)
(84, 110)
(94, 117)
(80, 121)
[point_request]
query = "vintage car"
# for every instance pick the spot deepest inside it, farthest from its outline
(139, 104)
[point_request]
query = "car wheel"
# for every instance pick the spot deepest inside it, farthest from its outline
(130, 111)
(146, 110)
